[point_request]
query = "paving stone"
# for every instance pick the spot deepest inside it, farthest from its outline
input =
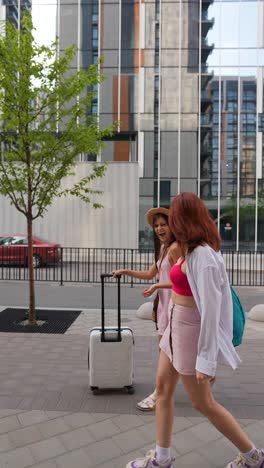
(53, 427)
(46, 464)
(97, 417)
(255, 432)
(103, 451)
(25, 436)
(46, 449)
(129, 440)
(181, 423)
(10, 423)
(218, 452)
(18, 458)
(185, 441)
(148, 432)
(121, 462)
(75, 420)
(205, 431)
(124, 423)
(194, 460)
(104, 429)
(76, 439)
(55, 414)
(76, 459)
(32, 417)
(5, 443)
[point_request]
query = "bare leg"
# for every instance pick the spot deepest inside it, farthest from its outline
(154, 394)
(149, 403)
(167, 378)
(202, 399)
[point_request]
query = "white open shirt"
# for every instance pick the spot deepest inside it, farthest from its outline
(209, 283)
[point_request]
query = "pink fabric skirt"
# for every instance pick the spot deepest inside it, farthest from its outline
(180, 339)
(163, 310)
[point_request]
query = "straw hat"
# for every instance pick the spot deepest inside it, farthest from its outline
(153, 211)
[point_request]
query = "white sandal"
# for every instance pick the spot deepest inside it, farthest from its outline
(148, 404)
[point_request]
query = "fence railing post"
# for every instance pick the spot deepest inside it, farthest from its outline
(61, 267)
(132, 262)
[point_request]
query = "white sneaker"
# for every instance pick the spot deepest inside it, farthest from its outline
(242, 462)
(149, 461)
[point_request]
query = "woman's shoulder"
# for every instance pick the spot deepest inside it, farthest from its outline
(174, 246)
(174, 249)
(206, 255)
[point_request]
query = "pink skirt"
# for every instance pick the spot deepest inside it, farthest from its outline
(163, 310)
(180, 339)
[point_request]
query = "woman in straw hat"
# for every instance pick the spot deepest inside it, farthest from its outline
(165, 256)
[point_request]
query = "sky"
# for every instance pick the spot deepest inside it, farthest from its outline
(235, 37)
(44, 18)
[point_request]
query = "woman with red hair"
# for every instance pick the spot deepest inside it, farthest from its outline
(198, 336)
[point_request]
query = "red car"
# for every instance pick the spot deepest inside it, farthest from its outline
(14, 251)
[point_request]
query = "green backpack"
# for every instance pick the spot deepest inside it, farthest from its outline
(239, 319)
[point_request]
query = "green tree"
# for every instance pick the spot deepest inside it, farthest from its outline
(46, 123)
(247, 209)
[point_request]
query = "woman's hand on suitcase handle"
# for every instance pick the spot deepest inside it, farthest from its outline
(116, 273)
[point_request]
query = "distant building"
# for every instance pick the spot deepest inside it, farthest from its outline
(155, 64)
(9, 9)
(230, 145)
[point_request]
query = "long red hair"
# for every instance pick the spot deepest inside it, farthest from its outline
(191, 223)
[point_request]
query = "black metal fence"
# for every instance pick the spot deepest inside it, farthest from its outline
(85, 265)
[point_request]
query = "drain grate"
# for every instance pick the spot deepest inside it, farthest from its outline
(12, 320)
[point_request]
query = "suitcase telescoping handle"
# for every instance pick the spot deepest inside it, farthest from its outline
(103, 277)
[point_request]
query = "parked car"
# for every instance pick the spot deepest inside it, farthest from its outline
(14, 251)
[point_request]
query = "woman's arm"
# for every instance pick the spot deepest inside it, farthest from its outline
(148, 275)
(149, 291)
(209, 290)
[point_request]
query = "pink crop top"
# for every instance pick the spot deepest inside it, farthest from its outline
(180, 283)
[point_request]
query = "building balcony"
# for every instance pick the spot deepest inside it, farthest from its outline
(206, 4)
(206, 153)
(206, 120)
(207, 24)
(206, 75)
(206, 125)
(205, 174)
(206, 49)
(206, 100)
(128, 135)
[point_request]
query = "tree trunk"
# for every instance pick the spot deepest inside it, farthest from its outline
(32, 308)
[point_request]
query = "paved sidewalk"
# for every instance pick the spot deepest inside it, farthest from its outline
(49, 418)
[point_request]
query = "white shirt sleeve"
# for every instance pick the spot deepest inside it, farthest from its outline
(210, 294)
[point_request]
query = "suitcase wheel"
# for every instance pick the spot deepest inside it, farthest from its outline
(130, 389)
(95, 390)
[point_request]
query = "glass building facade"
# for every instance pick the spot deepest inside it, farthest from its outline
(12, 10)
(184, 80)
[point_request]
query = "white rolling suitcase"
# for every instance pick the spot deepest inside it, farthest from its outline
(110, 357)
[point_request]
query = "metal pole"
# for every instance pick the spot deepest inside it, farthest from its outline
(99, 157)
(179, 96)
(57, 56)
(219, 123)
(139, 69)
(159, 110)
(199, 101)
(119, 64)
(238, 130)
